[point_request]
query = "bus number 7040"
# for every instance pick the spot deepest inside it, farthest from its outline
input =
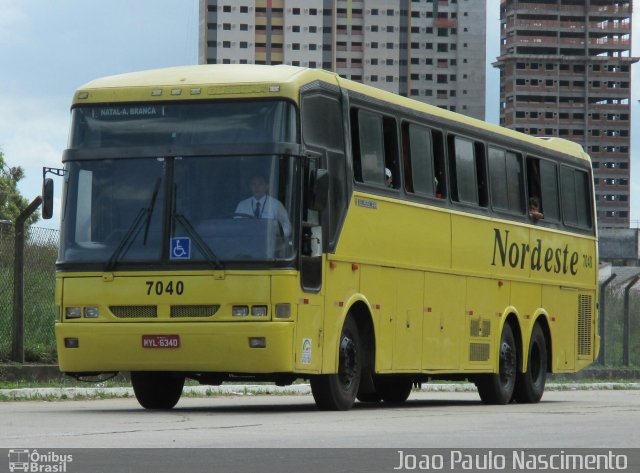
(159, 288)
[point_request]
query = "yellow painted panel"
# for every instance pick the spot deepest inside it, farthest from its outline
(395, 234)
(407, 321)
(558, 257)
(250, 288)
(204, 346)
(444, 321)
(342, 283)
(308, 339)
(376, 285)
(485, 302)
(562, 307)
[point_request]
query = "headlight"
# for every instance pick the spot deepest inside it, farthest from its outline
(91, 312)
(259, 310)
(72, 313)
(240, 310)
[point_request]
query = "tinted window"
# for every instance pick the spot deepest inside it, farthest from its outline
(420, 177)
(371, 144)
(549, 190)
(159, 124)
(375, 148)
(575, 197)
(505, 171)
(322, 122)
(464, 170)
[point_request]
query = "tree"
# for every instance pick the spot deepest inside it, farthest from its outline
(11, 201)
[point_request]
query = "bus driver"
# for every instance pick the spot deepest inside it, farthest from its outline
(262, 205)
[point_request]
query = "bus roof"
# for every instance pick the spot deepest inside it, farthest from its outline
(244, 79)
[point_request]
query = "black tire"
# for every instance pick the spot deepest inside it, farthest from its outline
(157, 389)
(530, 385)
(337, 392)
(497, 388)
(370, 397)
(394, 391)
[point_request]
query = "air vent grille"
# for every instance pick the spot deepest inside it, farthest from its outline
(134, 311)
(478, 351)
(480, 328)
(185, 311)
(585, 316)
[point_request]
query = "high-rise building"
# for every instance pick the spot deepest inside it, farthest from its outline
(430, 50)
(565, 71)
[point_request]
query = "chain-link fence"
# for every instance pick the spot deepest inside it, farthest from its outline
(615, 329)
(41, 247)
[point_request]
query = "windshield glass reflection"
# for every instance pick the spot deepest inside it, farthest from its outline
(215, 210)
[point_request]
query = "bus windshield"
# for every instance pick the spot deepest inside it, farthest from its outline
(214, 210)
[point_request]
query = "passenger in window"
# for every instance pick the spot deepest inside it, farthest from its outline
(436, 185)
(534, 209)
(262, 205)
(388, 178)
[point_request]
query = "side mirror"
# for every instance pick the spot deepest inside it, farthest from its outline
(47, 198)
(319, 189)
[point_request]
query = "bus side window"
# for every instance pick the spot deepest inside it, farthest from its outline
(506, 183)
(542, 183)
(391, 163)
(468, 175)
(575, 197)
(439, 166)
(481, 174)
(374, 147)
(419, 175)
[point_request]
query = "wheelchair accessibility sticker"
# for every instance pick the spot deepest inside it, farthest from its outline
(180, 248)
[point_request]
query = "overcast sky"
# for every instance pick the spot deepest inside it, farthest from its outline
(48, 48)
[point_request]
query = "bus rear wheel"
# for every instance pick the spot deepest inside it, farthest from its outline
(337, 392)
(497, 388)
(157, 389)
(394, 391)
(530, 385)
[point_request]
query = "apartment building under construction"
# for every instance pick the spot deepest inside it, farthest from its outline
(565, 71)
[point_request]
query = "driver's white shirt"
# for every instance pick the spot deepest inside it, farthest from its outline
(269, 208)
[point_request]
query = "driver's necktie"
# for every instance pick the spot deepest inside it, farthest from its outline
(256, 211)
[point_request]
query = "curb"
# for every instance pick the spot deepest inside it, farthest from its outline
(42, 372)
(262, 390)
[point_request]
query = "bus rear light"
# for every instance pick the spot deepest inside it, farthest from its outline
(240, 310)
(283, 311)
(259, 310)
(92, 312)
(71, 343)
(72, 313)
(257, 342)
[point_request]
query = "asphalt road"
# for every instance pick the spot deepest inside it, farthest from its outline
(563, 419)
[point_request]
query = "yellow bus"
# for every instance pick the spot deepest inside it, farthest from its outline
(228, 223)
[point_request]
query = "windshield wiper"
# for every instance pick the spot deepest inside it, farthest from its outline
(134, 229)
(128, 239)
(150, 213)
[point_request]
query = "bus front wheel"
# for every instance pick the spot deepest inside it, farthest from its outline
(157, 389)
(337, 392)
(497, 388)
(530, 385)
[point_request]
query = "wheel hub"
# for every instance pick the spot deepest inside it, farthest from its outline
(348, 362)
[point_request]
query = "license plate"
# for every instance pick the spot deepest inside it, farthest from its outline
(160, 341)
